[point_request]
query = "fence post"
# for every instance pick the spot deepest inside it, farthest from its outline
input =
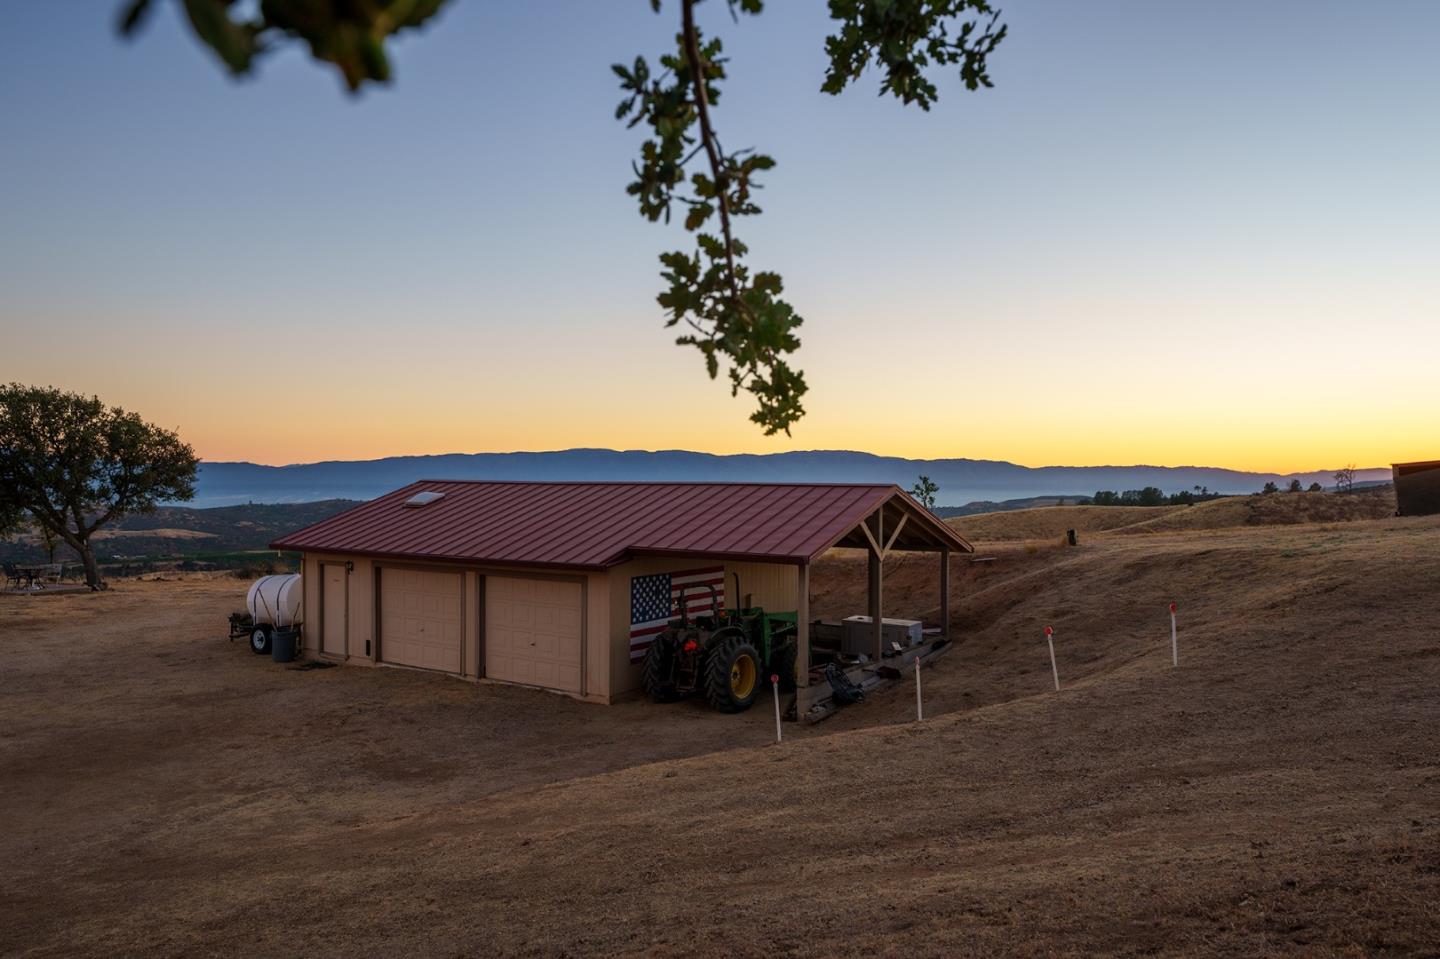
(1053, 668)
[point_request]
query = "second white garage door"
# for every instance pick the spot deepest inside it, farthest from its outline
(532, 632)
(420, 619)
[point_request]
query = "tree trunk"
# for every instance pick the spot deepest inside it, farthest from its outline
(92, 569)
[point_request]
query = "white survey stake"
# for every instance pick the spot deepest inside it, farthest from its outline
(775, 685)
(1174, 643)
(919, 707)
(1049, 641)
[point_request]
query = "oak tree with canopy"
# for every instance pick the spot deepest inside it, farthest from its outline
(74, 464)
(734, 315)
(12, 517)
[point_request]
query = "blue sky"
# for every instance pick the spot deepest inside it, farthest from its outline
(1171, 233)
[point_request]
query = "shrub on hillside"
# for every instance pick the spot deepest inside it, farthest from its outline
(1149, 496)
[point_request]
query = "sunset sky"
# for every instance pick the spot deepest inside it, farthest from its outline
(1174, 233)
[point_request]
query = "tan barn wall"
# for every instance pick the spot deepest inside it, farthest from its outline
(309, 602)
(608, 671)
(360, 604)
(361, 627)
(775, 586)
(470, 658)
(598, 680)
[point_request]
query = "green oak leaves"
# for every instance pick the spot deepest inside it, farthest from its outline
(733, 315)
(903, 37)
(349, 34)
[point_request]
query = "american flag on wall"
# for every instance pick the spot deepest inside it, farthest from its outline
(655, 600)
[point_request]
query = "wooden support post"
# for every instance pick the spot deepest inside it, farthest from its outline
(945, 592)
(802, 630)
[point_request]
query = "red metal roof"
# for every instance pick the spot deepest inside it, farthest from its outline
(596, 525)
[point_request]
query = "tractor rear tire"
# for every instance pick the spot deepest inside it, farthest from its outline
(732, 675)
(656, 675)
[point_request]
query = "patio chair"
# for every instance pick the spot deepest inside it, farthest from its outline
(13, 576)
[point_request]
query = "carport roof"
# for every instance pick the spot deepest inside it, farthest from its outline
(597, 525)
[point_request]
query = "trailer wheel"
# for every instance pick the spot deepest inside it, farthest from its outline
(260, 640)
(732, 675)
(658, 673)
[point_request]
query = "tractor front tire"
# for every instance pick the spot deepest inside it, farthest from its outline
(657, 675)
(782, 663)
(732, 675)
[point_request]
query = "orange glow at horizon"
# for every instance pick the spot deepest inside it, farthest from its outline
(1087, 423)
(1256, 457)
(1002, 389)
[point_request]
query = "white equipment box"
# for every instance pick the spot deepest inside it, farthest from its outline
(857, 634)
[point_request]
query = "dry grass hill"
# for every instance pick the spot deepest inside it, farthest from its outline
(1276, 509)
(1276, 795)
(1050, 522)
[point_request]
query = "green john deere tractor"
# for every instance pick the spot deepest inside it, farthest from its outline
(728, 656)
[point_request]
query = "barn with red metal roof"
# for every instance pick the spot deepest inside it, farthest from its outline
(564, 586)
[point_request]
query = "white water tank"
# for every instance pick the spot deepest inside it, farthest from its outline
(275, 600)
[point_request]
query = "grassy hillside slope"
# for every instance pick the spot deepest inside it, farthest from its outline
(1281, 509)
(1275, 795)
(1050, 523)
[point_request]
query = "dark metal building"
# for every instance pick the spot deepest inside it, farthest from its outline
(1417, 488)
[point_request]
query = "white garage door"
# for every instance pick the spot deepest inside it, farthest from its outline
(420, 619)
(532, 632)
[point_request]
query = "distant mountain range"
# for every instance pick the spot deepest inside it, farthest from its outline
(961, 480)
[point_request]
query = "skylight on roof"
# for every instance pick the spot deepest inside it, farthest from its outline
(424, 498)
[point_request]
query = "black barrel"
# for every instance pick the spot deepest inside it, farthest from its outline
(284, 641)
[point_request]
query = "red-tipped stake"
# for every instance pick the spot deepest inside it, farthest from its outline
(919, 708)
(775, 685)
(1174, 643)
(1053, 668)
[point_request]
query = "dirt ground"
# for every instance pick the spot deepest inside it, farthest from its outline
(167, 793)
